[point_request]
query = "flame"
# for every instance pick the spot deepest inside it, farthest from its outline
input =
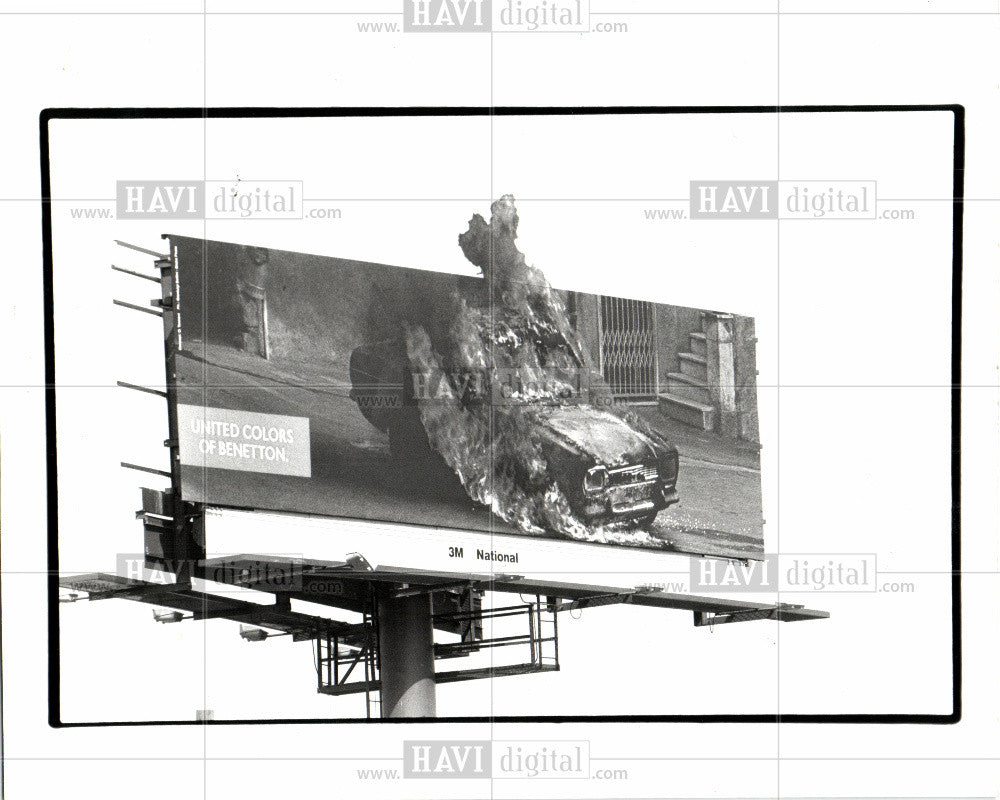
(515, 336)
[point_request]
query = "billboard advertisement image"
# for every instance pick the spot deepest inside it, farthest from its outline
(493, 402)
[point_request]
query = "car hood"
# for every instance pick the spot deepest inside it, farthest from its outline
(605, 437)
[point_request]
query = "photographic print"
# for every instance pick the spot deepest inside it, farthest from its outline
(501, 399)
(422, 448)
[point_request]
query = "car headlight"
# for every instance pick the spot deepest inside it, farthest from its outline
(595, 480)
(668, 468)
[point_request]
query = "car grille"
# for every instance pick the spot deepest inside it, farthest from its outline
(637, 473)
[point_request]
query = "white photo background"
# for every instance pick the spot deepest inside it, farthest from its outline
(853, 321)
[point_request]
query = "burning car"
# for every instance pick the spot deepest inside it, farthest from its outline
(607, 469)
(495, 382)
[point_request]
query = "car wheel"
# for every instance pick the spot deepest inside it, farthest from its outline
(407, 440)
(646, 520)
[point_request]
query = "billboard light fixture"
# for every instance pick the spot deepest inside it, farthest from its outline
(137, 388)
(358, 562)
(134, 307)
(132, 272)
(150, 470)
(258, 634)
(145, 250)
(167, 617)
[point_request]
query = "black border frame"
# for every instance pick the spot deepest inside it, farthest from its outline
(958, 183)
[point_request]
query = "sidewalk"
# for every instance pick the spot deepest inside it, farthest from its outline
(701, 445)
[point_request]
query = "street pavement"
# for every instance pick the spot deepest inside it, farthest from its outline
(355, 475)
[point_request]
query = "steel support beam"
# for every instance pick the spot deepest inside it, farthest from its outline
(406, 656)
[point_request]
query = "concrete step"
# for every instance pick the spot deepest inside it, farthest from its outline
(693, 365)
(691, 412)
(683, 385)
(699, 344)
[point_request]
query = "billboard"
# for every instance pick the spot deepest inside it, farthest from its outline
(492, 402)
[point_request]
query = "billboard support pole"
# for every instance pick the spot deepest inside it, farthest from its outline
(406, 656)
(183, 550)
